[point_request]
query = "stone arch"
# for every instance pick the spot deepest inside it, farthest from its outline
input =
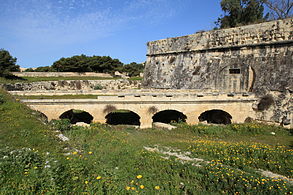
(168, 116)
(237, 77)
(215, 116)
(122, 117)
(77, 116)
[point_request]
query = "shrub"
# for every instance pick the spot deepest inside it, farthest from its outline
(62, 125)
(265, 102)
(1, 99)
(98, 87)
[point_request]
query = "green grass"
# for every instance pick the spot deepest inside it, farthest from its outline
(112, 159)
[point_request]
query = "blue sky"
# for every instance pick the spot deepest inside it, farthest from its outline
(39, 32)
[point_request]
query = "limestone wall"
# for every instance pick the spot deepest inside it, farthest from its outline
(255, 58)
(116, 84)
(62, 74)
(262, 53)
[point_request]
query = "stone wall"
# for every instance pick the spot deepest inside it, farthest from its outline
(262, 54)
(255, 58)
(62, 74)
(74, 85)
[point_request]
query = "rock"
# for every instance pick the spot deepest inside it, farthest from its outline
(163, 126)
(81, 124)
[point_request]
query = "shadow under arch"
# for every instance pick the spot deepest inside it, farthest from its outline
(168, 116)
(77, 116)
(215, 116)
(123, 117)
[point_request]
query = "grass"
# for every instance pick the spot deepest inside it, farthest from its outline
(112, 160)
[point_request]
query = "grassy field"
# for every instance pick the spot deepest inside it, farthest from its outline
(104, 159)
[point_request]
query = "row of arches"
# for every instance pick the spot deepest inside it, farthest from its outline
(127, 117)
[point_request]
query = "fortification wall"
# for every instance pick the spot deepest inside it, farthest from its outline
(62, 74)
(255, 58)
(262, 53)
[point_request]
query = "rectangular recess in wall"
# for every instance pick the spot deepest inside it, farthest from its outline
(234, 71)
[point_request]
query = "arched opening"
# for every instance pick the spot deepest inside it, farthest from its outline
(122, 117)
(77, 116)
(216, 117)
(168, 116)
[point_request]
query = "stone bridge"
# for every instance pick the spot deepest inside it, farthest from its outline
(149, 108)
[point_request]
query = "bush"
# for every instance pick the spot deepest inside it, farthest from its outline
(1, 99)
(61, 125)
(98, 87)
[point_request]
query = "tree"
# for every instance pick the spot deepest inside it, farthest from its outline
(7, 63)
(280, 9)
(241, 12)
(85, 63)
(133, 69)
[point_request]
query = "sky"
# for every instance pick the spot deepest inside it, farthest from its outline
(40, 32)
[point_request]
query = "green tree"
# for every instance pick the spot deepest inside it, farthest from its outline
(7, 63)
(44, 69)
(85, 63)
(241, 12)
(133, 69)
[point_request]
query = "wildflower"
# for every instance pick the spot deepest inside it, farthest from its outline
(139, 176)
(90, 152)
(127, 188)
(99, 177)
(157, 187)
(74, 153)
(35, 167)
(141, 186)
(86, 182)
(133, 188)
(132, 181)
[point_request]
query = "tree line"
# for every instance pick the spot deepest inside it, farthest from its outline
(83, 63)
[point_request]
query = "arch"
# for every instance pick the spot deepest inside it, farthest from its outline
(168, 116)
(77, 116)
(216, 117)
(123, 117)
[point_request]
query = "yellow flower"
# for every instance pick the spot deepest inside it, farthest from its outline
(139, 176)
(99, 177)
(157, 187)
(90, 152)
(35, 167)
(141, 186)
(127, 188)
(86, 182)
(133, 188)
(74, 152)
(132, 181)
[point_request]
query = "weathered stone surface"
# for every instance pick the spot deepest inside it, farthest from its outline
(163, 126)
(255, 58)
(74, 85)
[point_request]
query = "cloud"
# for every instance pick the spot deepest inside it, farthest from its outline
(63, 22)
